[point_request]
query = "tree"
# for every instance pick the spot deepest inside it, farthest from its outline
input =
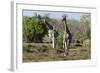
(26, 28)
(34, 29)
(86, 21)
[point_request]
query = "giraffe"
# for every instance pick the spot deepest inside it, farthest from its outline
(53, 32)
(67, 37)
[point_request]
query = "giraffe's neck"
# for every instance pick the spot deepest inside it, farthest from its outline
(66, 31)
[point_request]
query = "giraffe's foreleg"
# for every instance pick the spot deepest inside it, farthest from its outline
(66, 47)
(53, 42)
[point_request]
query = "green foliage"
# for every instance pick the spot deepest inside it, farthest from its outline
(86, 21)
(33, 29)
(59, 42)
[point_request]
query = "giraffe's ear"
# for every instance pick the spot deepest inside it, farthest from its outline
(64, 16)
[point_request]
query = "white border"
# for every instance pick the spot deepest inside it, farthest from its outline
(17, 38)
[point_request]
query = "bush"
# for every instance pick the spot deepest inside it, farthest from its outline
(34, 29)
(59, 42)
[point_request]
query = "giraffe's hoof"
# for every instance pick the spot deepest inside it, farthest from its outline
(64, 54)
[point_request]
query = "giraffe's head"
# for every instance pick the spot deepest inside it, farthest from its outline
(64, 19)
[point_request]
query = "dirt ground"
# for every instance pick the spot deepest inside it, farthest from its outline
(45, 52)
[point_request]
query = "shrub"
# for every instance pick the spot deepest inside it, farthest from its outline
(59, 42)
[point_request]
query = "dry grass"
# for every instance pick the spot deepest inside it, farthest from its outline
(44, 52)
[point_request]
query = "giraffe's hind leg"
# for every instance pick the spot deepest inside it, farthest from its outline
(66, 49)
(67, 44)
